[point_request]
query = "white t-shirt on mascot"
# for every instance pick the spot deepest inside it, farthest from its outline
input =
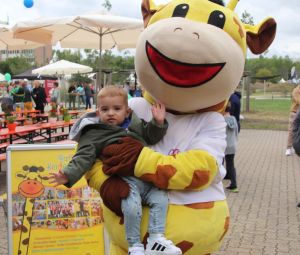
(195, 133)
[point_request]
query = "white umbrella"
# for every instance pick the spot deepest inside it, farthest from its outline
(8, 42)
(62, 67)
(91, 31)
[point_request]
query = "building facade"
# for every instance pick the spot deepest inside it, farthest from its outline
(39, 56)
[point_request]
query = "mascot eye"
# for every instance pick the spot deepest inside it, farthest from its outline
(181, 10)
(217, 18)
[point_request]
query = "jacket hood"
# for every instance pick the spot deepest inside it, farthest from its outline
(231, 122)
(85, 120)
(238, 94)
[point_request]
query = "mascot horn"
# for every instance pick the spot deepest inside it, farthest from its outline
(190, 57)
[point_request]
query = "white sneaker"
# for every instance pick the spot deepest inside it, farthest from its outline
(288, 152)
(161, 246)
(136, 250)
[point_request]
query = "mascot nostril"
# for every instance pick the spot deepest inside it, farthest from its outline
(197, 35)
(177, 29)
(194, 81)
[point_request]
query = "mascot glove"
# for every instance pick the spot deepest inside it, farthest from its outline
(120, 158)
(112, 191)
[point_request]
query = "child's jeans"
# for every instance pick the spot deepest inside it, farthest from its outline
(143, 193)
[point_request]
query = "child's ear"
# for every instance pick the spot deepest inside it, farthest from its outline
(97, 111)
(128, 112)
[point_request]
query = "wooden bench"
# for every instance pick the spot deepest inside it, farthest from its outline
(3, 146)
(60, 136)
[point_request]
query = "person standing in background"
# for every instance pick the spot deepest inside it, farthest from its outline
(231, 139)
(296, 136)
(293, 110)
(88, 95)
(81, 95)
(235, 108)
(72, 96)
(27, 96)
(55, 93)
(39, 96)
(17, 94)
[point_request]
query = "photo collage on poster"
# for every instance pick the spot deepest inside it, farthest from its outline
(61, 209)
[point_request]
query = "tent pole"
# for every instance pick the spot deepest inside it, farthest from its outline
(99, 76)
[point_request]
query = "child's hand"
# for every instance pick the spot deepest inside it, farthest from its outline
(58, 178)
(159, 113)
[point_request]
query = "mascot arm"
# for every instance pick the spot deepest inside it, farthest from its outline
(95, 176)
(190, 170)
(194, 169)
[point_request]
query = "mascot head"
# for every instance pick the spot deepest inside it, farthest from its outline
(191, 54)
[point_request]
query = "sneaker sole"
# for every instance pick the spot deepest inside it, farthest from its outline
(161, 253)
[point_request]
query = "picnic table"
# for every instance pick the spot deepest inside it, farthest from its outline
(21, 113)
(20, 120)
(36, 132)
(45, 116)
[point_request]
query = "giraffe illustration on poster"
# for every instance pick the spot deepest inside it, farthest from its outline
(30, 188)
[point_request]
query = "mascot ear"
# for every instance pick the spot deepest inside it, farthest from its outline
(260, 37)
(148, 10)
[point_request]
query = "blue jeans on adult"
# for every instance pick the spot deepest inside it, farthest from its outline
(87, 102)
(143, 193)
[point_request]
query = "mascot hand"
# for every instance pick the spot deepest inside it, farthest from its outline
(112, 191)
(120, 158)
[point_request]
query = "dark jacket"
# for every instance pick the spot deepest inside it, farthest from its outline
(18, 94)
(27, 95)
(296, 134)
(39, 96)
(93, 136)
(235, 108)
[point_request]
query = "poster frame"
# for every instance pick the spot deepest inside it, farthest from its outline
(30, 147)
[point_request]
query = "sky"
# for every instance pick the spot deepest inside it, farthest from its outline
(285, 12)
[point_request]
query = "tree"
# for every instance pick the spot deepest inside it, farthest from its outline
(72, 56)
(4, 67)
(247, 18)
(276, 65)
(14, 65)
(107, 5)
(263, 72)
(79, 79)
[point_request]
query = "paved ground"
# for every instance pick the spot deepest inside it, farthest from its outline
(264, 216)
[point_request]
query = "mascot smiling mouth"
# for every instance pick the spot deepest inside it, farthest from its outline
(180, 74)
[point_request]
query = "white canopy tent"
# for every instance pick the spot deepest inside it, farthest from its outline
(282, 80)
(62, 67)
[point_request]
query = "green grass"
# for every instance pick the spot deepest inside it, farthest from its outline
(267, 114)
(270, 105)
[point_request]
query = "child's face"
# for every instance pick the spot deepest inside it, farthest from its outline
(113, 110)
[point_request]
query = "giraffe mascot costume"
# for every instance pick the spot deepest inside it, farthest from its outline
(191, 57)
